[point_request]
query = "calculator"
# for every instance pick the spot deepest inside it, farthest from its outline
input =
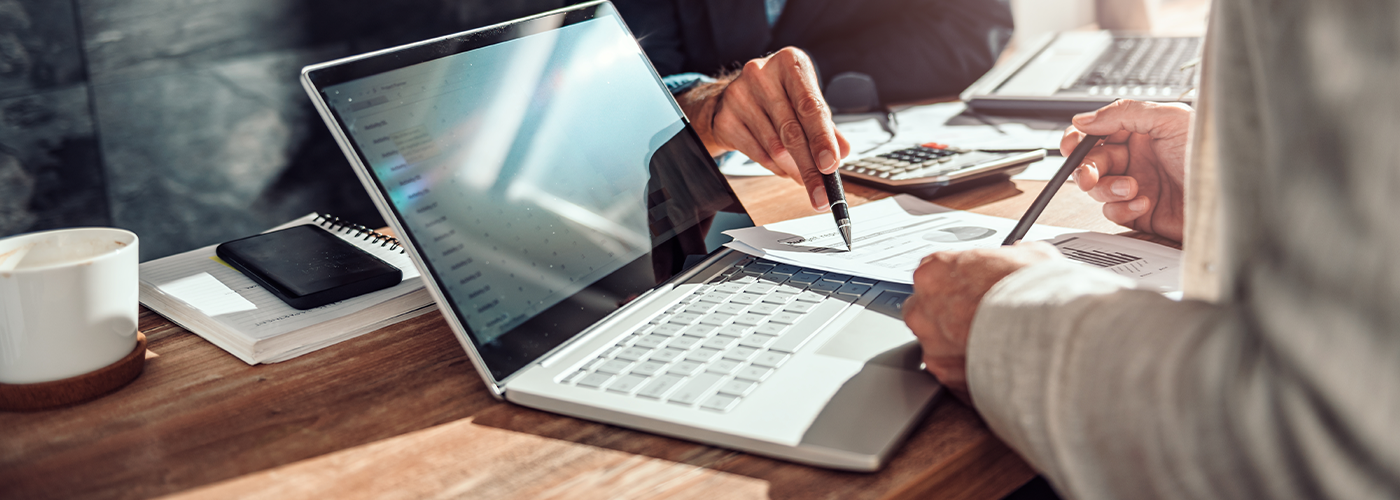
(932, 168)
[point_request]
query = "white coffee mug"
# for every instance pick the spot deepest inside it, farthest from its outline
(68, 302)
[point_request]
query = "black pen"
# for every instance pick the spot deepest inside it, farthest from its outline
(836, 195)
(1075, 158)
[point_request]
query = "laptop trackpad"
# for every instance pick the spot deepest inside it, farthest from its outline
(877, 335)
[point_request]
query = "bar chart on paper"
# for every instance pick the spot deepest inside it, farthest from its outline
(1154, 267)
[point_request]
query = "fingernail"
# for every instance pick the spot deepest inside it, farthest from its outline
(819, 199)
(1121, 188)
(826, 161)
(1085, 118)
(1138, 205)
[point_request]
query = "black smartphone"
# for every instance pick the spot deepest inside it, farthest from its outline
(307, 267)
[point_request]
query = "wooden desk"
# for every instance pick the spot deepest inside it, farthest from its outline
(401, 413)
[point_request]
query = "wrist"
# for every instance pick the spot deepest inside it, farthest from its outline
(700, 104)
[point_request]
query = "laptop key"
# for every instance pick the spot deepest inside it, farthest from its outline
(757, 341)
(702, 355)
(730, 288)
(718, 342)
(627, 384)
(689, 393)
(650, 341)
(684, 343)
(750, 319)
(730, 308)
(701, 331)
(668, 329)
(823, 286)
(685, 318)
(572, 377)
(724, 366)
(740, 353)
(595, 380)
(754, 373)
(778, 299)
(786, 269)
(770, 359)
(660, 386)
(800, 307)
(765, 308)
(667, 355)
(716, 319)
(786, 318)
(734, 331)
(716, 297)
(649, 368)
(805, 278)
(685, 368)
(720, 402)
(701, 307)
(761, 288)
(771, 329)
(746, 298)
(593, 363)
(615, 366)
(738, 387)
(809, 296)
(853, 289)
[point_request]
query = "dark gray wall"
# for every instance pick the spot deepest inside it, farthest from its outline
(183, 120)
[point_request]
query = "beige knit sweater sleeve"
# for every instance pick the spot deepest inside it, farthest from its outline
(1279, 377)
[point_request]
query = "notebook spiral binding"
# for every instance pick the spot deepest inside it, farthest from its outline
(337, 224)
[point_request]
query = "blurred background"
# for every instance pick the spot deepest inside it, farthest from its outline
(184, 121)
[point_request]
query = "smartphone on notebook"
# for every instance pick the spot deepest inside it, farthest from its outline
(308, 267)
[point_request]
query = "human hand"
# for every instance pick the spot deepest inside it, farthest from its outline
(1139, 171)
(773, 112)
(948, 286)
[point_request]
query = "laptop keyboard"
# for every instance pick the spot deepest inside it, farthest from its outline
(715, 346)
(1142, 66)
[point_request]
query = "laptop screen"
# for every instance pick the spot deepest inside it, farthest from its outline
(540, 169)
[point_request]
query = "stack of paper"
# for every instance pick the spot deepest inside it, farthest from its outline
(892, 235)
(201, 293)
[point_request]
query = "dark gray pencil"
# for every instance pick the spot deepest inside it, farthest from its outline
(1075, 158)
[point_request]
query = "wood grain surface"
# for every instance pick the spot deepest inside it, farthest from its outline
(400, 413)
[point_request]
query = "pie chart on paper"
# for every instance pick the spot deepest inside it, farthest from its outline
(959, 234)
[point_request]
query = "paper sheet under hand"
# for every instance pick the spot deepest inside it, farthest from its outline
(892, 235)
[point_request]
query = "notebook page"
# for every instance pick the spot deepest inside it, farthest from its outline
(270, 316)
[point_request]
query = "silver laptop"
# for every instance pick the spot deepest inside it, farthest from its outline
(568, 222)
(1078, 71)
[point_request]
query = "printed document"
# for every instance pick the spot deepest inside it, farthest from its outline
(892, 235)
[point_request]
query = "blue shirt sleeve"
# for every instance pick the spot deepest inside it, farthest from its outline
(681, 82)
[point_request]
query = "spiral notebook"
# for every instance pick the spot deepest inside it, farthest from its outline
(204, 295)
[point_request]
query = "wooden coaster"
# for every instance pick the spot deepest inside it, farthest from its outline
(74, 390)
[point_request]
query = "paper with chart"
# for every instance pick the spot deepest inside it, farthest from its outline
(893, 234)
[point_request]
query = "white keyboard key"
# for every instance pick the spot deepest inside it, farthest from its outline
(649, 368)
(611, 351)
(771, 329)
(776, 298)
(720, 402)
(592, 363)
(824, 286)
(720, 342)
(650, 341)
(701, 308)
(685, 318)
(716, 297)
(716, 319)
(627, 384)
(730, 288)
(633, 353)
(702, 355)
(786, 318)
(689, 393)
(800, 307)
(734, 331)
(660, 386)
(770, 359)
(615, 366)
(765, 308)
(738, 387)
(761, 288)
(809, 296)
(740, 353)
(754, 373)
(684, 343)
(731, 309)
(668, 329)
(746, 298)
(573, 376)
(701, 331)
(750, 319)
(724, 366)
(667, 355)
(685, 368)
(757, 341)
(595, 380)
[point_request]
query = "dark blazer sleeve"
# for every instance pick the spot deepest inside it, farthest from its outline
(914, 51)
(656, 25)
